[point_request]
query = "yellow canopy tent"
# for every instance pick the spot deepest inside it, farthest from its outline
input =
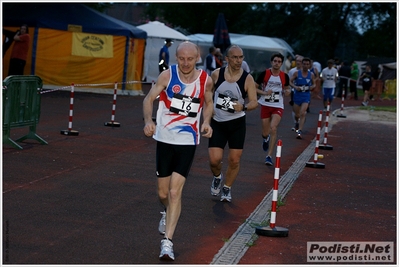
(72, 43)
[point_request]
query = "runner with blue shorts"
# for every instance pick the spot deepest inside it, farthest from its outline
(303, 82)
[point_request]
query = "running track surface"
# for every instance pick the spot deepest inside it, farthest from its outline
(91, 198)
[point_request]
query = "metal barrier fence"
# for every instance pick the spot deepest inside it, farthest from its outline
(21, 107)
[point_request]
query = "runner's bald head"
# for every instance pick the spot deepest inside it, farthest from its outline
(232, 47)
(186, 45)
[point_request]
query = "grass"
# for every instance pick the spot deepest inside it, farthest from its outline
(254, 237)
(251, 242)
(360, 94)
(386, 108)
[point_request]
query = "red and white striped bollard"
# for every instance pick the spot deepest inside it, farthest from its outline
(315, 163)
(112, 123)
(272, 229)
(341, 114)
(70, 131)
(325, 146)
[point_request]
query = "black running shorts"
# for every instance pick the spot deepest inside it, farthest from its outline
(231, 132)
(174, 158)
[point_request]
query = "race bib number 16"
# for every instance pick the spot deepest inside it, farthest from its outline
(185, 105)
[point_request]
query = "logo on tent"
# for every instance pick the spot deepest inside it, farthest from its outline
(92, 45)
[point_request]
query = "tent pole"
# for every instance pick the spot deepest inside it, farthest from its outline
(34, 48)
(125, 65)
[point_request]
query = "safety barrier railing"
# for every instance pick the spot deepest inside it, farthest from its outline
(21, 107)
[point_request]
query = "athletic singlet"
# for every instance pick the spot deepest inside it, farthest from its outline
(329, 76)
(276, 99)
(303, 81)
(225, 93)
(179, 110)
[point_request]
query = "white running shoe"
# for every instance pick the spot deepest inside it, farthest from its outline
(162, 223)
(296, 126)
(216, 185)
(167, 250)
(226, 194)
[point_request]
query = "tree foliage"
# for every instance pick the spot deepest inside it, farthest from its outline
(99, 6)
(195, 17)
(349, 30)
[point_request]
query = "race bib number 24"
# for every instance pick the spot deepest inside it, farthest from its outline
(225, 103)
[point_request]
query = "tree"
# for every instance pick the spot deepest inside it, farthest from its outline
(379, 38)
(98, 6)
(195, 17)
(321, 31)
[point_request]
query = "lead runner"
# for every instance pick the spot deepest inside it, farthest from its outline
(185, 93)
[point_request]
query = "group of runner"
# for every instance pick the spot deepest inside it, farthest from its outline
(185, 93)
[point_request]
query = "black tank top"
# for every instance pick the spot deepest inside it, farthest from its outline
(240, 82)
